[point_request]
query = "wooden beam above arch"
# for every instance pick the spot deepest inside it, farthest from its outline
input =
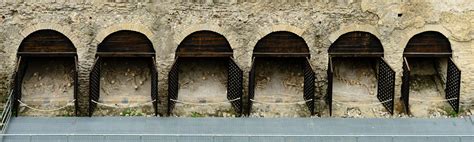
(46, 43)
(204, 44)
(281, 44)
(126, 43)
(428, 44)
(356, 44)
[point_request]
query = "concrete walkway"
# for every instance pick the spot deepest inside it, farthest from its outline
(239, 129)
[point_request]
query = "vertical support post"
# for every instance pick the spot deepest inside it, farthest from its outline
(251, 86)
(235, 86)
(308, 86)
(453, 85)
(405, 96)
(330, 75)
(386, 85)
(76, 85)
(173, 85)
(154, 85)
(94, 85)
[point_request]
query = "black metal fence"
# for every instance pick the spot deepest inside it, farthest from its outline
(386, 84)
(94, 85)
(405, 96)
(251, 87)
(173, 85)
(76, 86)
(235, 86)
(330, 75)
(453, 85)
(154, 84)
(22, 65)
(309, 88)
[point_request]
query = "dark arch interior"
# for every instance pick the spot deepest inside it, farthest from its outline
(354, 61)
(46, 76)
(356, 44)
(204, 44)
(204, 65)
(46, 42)
(425, 71)
(124, 74)
(278, 76)
(281, 44)
(126, 43)
(428, 44)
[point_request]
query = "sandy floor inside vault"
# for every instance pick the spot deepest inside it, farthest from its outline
(426, 90)
(48, 84)
(203, 86)
(125, 82)
(355, 89)
(279, 84)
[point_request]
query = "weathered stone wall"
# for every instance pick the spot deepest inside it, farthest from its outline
(243, 23)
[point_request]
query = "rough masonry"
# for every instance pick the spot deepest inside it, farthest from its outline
(243, 22)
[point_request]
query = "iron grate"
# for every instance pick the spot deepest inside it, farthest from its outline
(385, 87)
(309, 88)
(234, 85)
(173, 86)
(76, 85)
(405, 96)
(94, 90)
(330, 75)
(18, 82)
(251, 86)
(154, 85)
(453, 85)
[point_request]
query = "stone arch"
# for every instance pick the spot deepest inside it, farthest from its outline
(355, 44)
(428, 43)
(436, 28)
(178, 38)
(135, 42)
(66, 31)
(354, 27)
(204, 43)
(277, 28)
(281, 43)
(125, 26)
(46, 41)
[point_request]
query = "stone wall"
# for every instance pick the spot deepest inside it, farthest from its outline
(243, 22)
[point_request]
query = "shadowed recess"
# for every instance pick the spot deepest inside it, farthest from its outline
(428, 44)
(356, 44)
(46, 42)
(204, 44)
(126, 42)
(281, 44)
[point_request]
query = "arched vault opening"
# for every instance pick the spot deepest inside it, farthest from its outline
(281, 80)
(205, 80)
(358, 77)
(429, 75)
(124, 77)
(45, 79)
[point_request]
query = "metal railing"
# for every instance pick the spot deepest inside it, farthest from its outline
(227, 137)
(7, 113)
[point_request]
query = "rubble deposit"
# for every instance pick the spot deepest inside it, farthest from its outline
(279, 89)
(125, 88)
(48, 85)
